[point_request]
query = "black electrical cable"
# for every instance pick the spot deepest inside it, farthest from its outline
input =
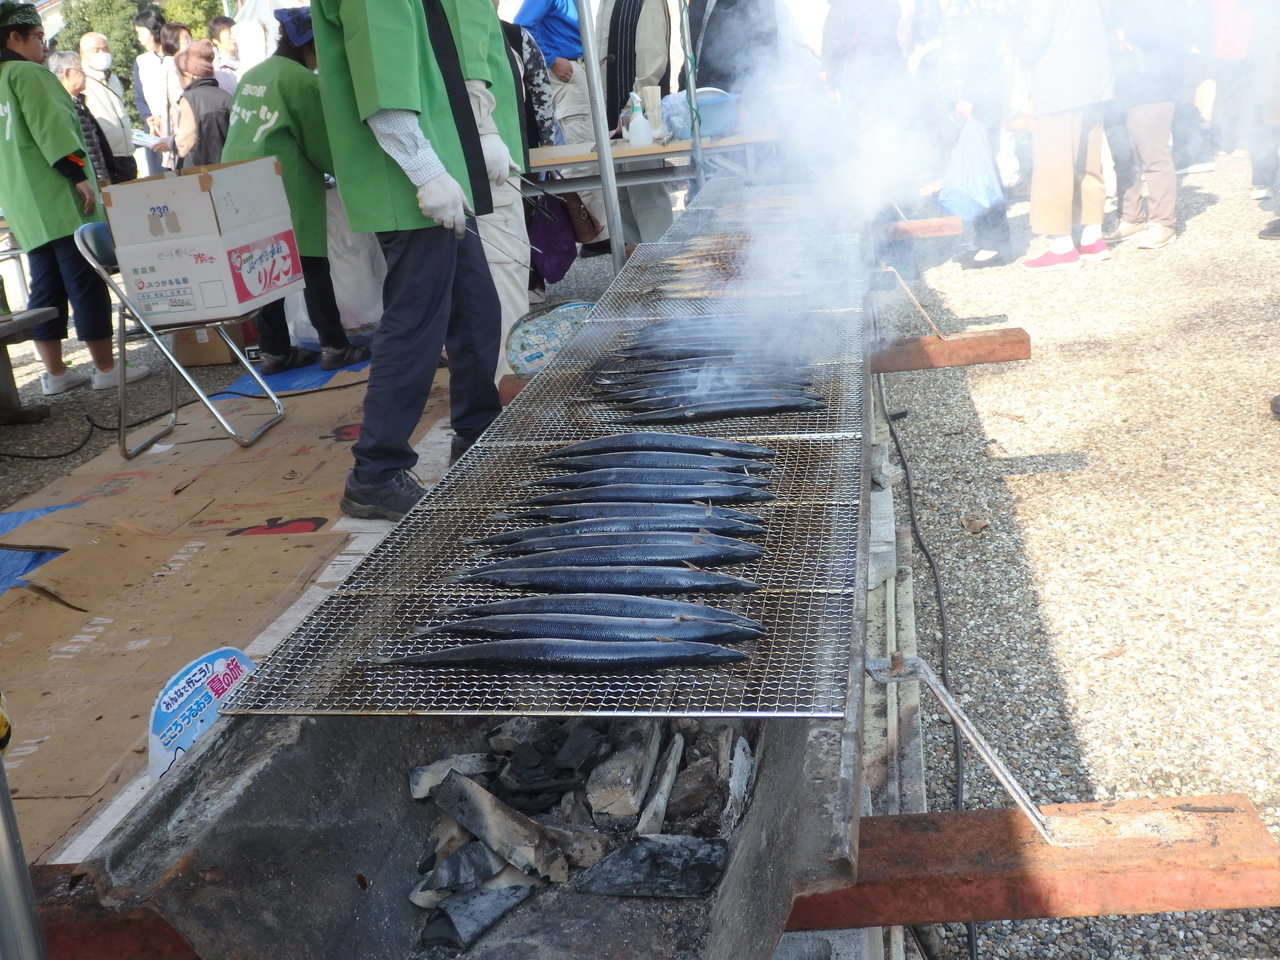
(943, 627)
(52, 456)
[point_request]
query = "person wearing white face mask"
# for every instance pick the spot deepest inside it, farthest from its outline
(105, 99)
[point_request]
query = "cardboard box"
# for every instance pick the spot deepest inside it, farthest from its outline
(203, 347)
(205, 243)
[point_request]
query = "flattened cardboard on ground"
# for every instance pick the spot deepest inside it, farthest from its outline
(81, 682)
(309, 511)
(68, 528)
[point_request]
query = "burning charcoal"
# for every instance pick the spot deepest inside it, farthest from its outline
(582, 845)
(658, 866)
(446, 835)
(529, 803)
(422, 780)
(464, 917)
(513, 836)
(517, 779)
(740, 772)
(574, 809)
(695, 787)
(526, 755)
(616, 788)
(464, 869)
(585, 748)
(687, 727)
(655, 808)
(505, 737)
(420, 896)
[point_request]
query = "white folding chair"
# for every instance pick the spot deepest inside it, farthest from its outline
(94, 242)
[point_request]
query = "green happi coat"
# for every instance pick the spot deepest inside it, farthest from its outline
(38, 126)
(276, 113)
(376, 55)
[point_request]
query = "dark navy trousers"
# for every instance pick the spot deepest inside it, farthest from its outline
(438, 294)
(58, 274)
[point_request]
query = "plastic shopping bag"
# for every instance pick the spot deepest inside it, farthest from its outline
(971, 183)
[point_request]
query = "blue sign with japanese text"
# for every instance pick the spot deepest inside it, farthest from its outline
(188, 704)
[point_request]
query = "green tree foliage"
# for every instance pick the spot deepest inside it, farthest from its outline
(196, 14)
(114, 19)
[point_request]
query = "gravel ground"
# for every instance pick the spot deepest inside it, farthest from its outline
(1115, 628)
(66, 427)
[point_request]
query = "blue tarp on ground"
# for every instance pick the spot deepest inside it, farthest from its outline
(303, 378)
(17, 563)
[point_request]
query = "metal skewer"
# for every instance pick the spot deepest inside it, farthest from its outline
(498, 248)
(514, 236)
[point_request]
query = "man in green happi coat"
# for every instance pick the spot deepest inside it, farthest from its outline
(47, 190)
(276, 113)
(420, 105)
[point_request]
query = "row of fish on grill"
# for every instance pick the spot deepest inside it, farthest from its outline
(633, 521)
(723, 266)
(710, 368)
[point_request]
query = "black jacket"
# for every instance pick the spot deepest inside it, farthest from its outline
(212, 108)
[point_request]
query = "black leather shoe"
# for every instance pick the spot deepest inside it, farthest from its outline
(458, 446)
(596, 248)
(969, 262)
(272, 363)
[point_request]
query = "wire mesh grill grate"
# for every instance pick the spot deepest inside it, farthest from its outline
(808, 577)
(329, 666)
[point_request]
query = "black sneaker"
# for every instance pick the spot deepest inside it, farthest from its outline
(458, 446)
(388, 500)
(335, 358)
(596, 248)
(273, 363)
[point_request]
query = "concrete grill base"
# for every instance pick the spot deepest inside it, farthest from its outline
(289, 837)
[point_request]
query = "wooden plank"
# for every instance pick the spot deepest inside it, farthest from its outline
(955, 350)
(919, 229)
(1127, 857)
(545, 158)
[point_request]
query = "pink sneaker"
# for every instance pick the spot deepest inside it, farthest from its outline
(1095, 251)
(1055, 261)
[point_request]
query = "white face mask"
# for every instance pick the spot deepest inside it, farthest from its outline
(99, 61)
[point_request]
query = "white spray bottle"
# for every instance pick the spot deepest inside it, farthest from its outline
(640, 129)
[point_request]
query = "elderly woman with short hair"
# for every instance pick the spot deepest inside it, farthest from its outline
(66, 66)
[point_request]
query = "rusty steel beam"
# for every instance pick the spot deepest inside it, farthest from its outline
(1127, 857)
(953, 350)
(78, 927)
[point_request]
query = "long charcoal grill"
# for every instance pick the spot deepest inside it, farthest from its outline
(809, 576)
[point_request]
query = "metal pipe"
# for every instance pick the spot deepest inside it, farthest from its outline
(899, 669)
(20, 936)
(599, 122)
(691, 94)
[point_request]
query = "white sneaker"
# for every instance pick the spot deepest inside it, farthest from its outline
(1262, 193)
(105, 381)
(63, 382)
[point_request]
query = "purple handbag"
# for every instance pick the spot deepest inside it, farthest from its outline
(550, 230)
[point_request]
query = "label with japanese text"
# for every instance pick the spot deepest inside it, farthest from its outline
(265, 265)
(188, 705)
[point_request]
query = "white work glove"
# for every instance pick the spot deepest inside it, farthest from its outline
(441, 199)
(497, 159)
